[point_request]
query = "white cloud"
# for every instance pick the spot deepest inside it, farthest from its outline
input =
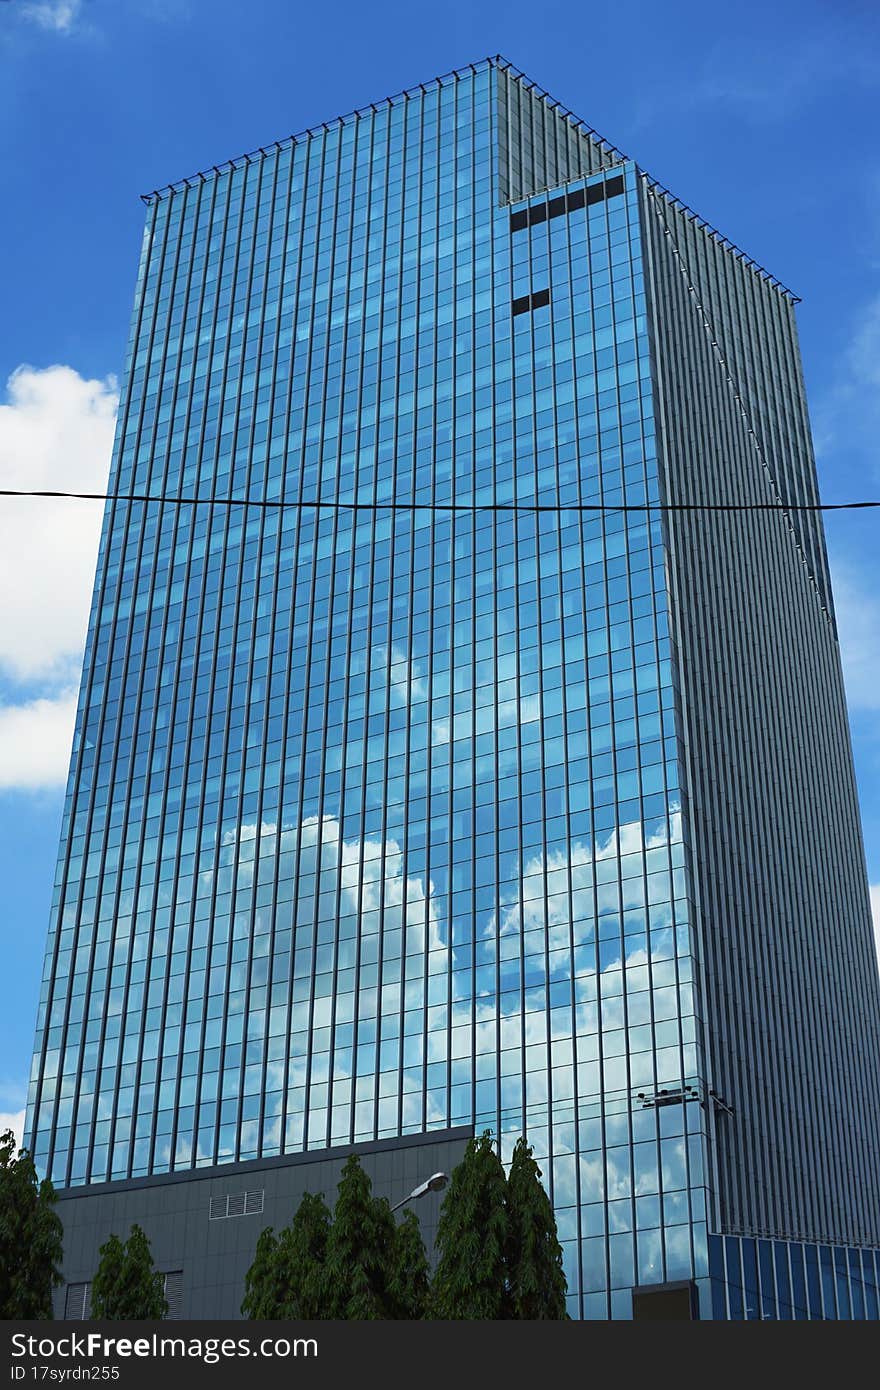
(14, 1122)
(35, 739)
(367, 879)
(858, 622)
(406, 682)
(373, 878)
(369, 873)
(56, 432)
(68, 16)
(58, 16)
(582, 876)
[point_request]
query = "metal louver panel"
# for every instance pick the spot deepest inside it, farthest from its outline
(76, 1302)
(236, 1204)
(174, 1293)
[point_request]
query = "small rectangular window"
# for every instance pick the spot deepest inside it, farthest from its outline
(614, 187)
(567, 202)
(526, 302)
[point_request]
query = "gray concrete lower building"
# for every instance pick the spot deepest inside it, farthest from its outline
(203, 1224)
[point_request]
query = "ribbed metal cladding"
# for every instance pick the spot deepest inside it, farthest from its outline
(792, 1007)
(539, 145)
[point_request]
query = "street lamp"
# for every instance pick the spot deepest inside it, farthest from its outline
(435, 1183)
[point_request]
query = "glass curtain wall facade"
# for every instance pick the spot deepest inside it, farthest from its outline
(376, 821)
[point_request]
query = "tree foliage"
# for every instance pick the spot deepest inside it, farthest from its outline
(408, 1286)
(261, 1299)
(359, 1249)
(127, 1286)
(470, 1280)
(498, 1251)
(535, 1277)
(302, 1260)
(288, 1277)
(30, 1236)
(356, 1265)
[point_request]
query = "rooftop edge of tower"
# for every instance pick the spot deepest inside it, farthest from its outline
(609, 153)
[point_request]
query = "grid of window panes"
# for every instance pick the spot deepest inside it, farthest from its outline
(374, 824)
(784, 1280)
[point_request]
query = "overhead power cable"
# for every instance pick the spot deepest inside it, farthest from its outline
(392, 504)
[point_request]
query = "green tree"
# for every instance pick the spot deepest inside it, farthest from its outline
(408, 1289)
(302, 1261)
(535, 1277)
(261, 1281)
(30, 1236)
(470, 1280)
(359, 1249)
(126, 1285)
(356, 1265)
(288, 1278)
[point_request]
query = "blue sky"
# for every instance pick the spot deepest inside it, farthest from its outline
(761, 117)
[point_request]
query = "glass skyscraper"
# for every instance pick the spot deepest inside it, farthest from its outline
(461, 741)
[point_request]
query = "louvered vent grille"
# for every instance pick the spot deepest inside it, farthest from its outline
(174, 1293)
(236, 1204)
(76, 1302)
